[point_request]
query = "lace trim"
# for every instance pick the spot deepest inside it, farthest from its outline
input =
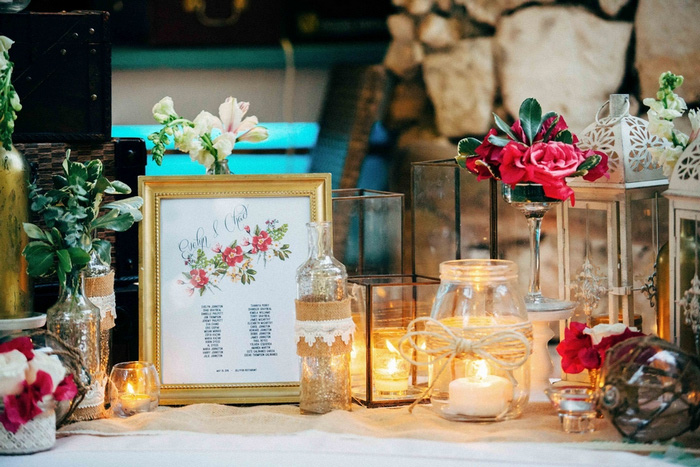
(324, 330)
(106, 304)
(95, 395)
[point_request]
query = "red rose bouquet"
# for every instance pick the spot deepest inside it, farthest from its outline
(536, 149)
(30, 381)
(583, 348)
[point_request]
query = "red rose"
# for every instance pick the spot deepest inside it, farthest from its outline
(487, 153)
(198, 278)
(599, 170)
(23, 344)
(575, 349)
(261, 242)
(512, 169)
(232, 256)
(609, 341)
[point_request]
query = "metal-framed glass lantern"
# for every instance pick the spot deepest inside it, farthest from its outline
(368, 231)
(610, 238)
(382, 308)
(684, 242)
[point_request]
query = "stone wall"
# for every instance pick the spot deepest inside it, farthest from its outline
(457, 61)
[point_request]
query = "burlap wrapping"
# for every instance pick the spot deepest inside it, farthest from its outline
(323, 311)
(102, 286)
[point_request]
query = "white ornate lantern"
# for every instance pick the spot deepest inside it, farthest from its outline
(612, 234)
(684, 211)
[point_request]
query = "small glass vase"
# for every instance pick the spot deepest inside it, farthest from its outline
(479, 302)
(323, 322)
(219, 167)
(98, 281)
(76, 321)
(529, 198)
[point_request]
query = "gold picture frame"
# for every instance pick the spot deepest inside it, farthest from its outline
(218, 256)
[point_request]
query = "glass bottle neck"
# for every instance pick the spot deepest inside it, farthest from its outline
(320, 239)
(73, 287)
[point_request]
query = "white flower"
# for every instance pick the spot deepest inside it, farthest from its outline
(48, 363)
(600, 331)
(13, 365)
(224, 144)
(201, 155)
(259, 133)
(205, 122)
(660, 109)
(186, 139)
(5, 44)
(163, 109)
(3, 61)
(659, 126)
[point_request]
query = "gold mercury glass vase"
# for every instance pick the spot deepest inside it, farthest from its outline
(14, 210)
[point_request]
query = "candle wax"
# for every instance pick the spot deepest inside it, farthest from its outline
(134, 403)
(480, 397)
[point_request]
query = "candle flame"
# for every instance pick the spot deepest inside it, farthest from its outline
(478, 368)
(129, 388)
(391, 348)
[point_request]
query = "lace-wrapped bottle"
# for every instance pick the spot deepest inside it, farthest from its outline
(324, 326)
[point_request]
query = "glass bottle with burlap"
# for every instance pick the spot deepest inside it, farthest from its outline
(324, 326)
(98, 279)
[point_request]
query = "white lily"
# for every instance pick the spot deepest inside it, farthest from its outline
(694, 117)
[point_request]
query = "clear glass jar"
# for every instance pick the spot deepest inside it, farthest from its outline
(321, 286)
(98, 281)
(480, 299)
(76, 321)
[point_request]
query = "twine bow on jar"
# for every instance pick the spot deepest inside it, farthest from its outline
(508, 349)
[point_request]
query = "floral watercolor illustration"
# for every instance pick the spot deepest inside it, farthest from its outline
(235, 261)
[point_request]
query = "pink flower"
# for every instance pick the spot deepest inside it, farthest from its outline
(261, 242)
(488, 154)
(216, 248)
(599, 170)
(576, 344)
(198, 278)
(21, 408)
(232, 256)
(22, 343)
(547, 164)
(66, 389)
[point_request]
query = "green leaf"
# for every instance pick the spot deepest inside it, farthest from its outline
(113, 221)
(530, 118)
(40, 258)
(34, 232)
(131, 205)
(64, 262)
(103, 248)
(504, 127)
(119, 187)
(94, 169)
(565, 137)
(588, 164)
(467, 146)
(79, 257)
(498, 141)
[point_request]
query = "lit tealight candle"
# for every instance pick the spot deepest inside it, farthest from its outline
(480, 395)
(132, 403)
(390, 370)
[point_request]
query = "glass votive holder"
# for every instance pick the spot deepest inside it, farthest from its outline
(391, 371)
(576, 406)
(134, 388)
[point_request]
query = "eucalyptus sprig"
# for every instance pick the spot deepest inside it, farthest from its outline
(9, 100)
(73, 212)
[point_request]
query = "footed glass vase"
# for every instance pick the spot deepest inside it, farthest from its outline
(76, 321)
(529, 198)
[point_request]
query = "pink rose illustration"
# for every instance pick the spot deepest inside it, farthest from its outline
(232, 256)
(261, 242)
(199, 278)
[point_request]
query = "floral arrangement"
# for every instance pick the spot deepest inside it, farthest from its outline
(30, 381)
(236, 260)
(9, 100)
(583, 347)
(537, 149)
(208, 139)
(662, 111)
(72, 213)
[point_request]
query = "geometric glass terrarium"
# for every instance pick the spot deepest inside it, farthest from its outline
(684, 245)
(611, 237)
(368, 231)
(382, 308)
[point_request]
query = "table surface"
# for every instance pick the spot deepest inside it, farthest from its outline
(279, 435)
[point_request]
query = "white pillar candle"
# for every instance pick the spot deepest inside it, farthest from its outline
(476, 396)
